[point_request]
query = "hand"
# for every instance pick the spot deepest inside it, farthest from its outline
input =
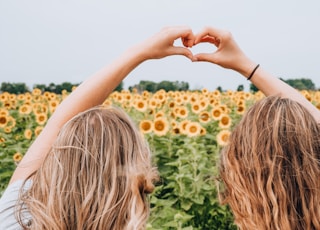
(228, 53)
(162, 44)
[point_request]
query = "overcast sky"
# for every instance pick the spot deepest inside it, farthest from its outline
(68, 40)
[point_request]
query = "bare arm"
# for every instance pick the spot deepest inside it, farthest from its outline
(229, 55)
(96, 89)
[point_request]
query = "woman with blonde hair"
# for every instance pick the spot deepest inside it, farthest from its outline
(271, 166)
(90, 168)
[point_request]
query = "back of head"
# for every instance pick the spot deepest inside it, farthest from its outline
(96, 176)
(271, 167)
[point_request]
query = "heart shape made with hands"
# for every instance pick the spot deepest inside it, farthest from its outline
(202, 47)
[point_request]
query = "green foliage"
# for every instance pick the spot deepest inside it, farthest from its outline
(55, 88)
(240, 88)
(165, 85)
(15, 88)
(253, 88)
(301, 83)
(219, 88)
(186, 197)
(119, 87)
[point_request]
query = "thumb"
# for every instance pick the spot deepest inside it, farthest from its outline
(182, 51)
(205, 57)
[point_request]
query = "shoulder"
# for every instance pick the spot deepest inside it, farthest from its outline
(8, 203)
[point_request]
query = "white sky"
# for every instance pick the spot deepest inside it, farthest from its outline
(68, 40)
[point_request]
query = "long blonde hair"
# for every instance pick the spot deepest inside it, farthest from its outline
(271, 168)
(96, 176)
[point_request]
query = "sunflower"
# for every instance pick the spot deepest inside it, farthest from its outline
(4, 96)
(134, 90)
(176, 130)
(53, 96)
(160, 126)
(146, 93)
(25, 109)
(193, 129)
(3, 121)
(159, 114)
(216, 93)
(53, 104)
(204, 91)
(37, 108)
(8, 105)
(7, 129)
(179, 101)
(4, 112)
(203, 131)
(36, 92)
(216, 113)
(41, 118)
(107, 102)
(38, 130)
(213, 102)
(182, 112)
(12, 97)
(196, 108)
(171, 104)
(153, 103)
(128, 97)
(224, 108)
(119, 98)
(47, 95)
(204, 103)
(185, 98)
(193, 98)
(204, 117)
(11, 122)
(17, 157)
(145, 126)
(174, 124)
(223, 137)
(225, 121)
(28, 134)
(26, 96)
(37, 98)
(230, 93)
(141, 105)
(241, 109)
(182, 126)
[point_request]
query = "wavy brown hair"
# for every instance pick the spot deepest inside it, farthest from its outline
(271, 167)
(96, 176)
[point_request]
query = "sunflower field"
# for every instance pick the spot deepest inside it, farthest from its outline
(186, 130)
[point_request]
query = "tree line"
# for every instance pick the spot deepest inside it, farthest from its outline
(18, 88)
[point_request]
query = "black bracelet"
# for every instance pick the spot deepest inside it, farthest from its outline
(254, 70)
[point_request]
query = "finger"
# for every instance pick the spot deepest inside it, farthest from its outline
(187, 42)
(184, 33)
(181, 51)
(208, 39)
(208, 31)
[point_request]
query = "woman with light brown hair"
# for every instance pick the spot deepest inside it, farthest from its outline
(90, 168)
(271, 166)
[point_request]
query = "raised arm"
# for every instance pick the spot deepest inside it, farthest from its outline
(229, 55)
(96, 89)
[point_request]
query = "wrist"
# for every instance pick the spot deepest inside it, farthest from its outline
(247, 68)
(137, 53)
